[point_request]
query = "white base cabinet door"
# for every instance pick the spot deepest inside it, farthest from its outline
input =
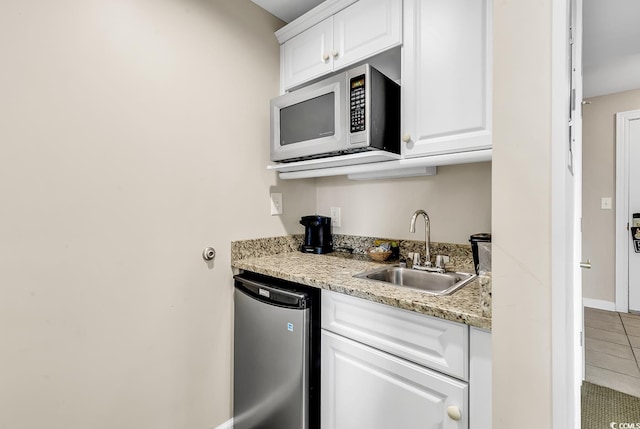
(446, 82)
(365, 388)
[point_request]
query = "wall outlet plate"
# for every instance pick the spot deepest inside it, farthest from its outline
(276, 204)
(605, 203)
(335, 217)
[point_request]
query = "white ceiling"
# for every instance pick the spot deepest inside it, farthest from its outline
(287, 10)
(611, 51)
(611, 40)
(611, 30)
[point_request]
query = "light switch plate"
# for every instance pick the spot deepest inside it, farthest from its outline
(605, 203)
(276, 204)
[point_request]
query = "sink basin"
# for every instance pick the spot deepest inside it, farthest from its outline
(429, 282)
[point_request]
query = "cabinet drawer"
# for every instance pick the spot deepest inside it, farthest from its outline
(428, 341)
(365, 388)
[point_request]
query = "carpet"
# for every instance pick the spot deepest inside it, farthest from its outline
(604, 408)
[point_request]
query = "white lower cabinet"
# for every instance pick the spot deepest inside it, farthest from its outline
(365, 388)
(430, 342)
(383, 367)
(480, 378)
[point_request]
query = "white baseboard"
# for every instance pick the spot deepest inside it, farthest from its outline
(599, 304)
(226, 425)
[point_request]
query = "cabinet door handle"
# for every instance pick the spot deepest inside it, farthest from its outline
(406, 138)
(325, 57)
(586, 265)
(335, 54)
(454, 412)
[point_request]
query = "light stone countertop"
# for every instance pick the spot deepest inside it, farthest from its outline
(335, 272)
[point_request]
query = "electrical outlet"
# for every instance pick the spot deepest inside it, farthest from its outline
(605, 203)
(276, 204)
(335, 217)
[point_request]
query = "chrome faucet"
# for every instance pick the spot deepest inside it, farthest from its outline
(427, 234)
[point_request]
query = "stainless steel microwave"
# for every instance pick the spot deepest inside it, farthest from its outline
(354, 111)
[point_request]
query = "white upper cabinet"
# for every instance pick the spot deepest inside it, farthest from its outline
(308, 55)
(363, 29)
(446, 77)
(439, 51)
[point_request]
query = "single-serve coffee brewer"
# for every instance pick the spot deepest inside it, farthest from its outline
(317, 234)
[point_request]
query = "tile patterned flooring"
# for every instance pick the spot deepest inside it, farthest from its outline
(612, 342)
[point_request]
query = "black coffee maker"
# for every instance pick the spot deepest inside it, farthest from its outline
(317, 234)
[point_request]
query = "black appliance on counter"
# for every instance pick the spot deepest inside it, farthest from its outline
(483, 237)
(317, 234)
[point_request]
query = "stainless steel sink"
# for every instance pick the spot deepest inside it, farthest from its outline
(433, 283)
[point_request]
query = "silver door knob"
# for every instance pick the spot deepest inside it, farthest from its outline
(586, 265)
(209, 254)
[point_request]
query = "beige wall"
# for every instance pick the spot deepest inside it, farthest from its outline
(123, 155)
(457, 199)
(521, 215)
(599, 160)
(133, 133)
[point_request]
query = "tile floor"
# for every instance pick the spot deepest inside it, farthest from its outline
(613, 350)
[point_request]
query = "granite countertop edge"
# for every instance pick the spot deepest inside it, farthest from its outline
(334, 273)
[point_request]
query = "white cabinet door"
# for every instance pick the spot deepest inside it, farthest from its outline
(308, 55)
(446, 89)
(365, 29)
(365, 388)
(360, 31)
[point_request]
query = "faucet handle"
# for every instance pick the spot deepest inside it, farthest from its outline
(416, 259)
(441, 260)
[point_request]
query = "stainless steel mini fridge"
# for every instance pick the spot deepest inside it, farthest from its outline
(276, 363)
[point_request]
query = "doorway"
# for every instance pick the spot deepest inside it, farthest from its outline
(612, 335)
(610, 64)
(605, 285)
(628, 211)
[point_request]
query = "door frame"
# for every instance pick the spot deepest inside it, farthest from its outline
(566, 164)
(623, 120)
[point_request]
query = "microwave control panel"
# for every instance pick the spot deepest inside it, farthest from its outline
(357, 103)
